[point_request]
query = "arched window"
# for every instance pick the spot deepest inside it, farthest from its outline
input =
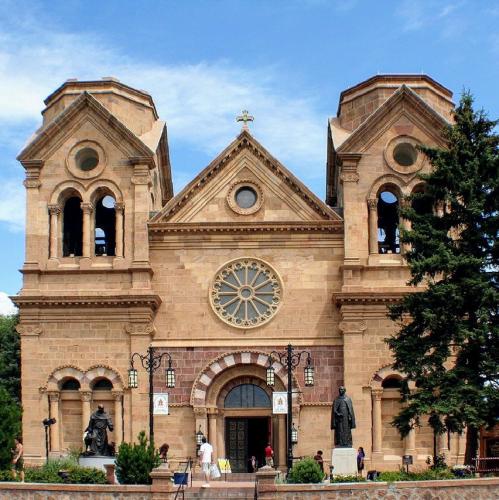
(102, 384)
(388, 222)
(70, 384)
(72, 228)
(105, 226)
(247, 396)
(421, 203)
(392, 382)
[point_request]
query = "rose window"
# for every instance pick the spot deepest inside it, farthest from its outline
(246, 293)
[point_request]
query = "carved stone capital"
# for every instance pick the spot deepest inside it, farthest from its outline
(86, 396)
(87, 208)
(54, 396)
(33, 168)
(212, 411)
(117, 395)
(54, 209)
(349, 177)
(141, 179)
(140, 328)
(352, 326)
(119, 206)
(376, 394)
(29, 330)
(200, 412)
(31, 183)
(372, 203)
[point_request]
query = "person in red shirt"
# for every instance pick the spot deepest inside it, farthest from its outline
(269, 456)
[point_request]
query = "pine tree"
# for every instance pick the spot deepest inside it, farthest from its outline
(448, 342)
(10, 427)
(10, 356)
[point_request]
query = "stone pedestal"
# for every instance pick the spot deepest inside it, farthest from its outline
(344, 461)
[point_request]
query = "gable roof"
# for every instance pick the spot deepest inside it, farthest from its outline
(243, 141)
(44, 135)
(343, 141)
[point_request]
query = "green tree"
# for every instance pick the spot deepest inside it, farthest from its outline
(10, 356)
(135, 461)
(10, 426)
(448, 338)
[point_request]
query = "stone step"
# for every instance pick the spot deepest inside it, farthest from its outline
(215, 493)
(234, 476)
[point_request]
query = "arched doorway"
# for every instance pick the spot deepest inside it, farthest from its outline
(248, 424)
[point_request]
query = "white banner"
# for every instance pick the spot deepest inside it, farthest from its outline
(160, 403)
(280, 402)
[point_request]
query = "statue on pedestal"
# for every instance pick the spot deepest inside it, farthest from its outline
(342, 420)
(96, 433)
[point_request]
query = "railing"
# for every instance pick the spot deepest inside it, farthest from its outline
(188, 466)
(486, 464)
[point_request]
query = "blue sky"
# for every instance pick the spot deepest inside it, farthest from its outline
(204, 61)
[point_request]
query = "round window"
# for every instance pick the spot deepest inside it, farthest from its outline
(246, 197)
(87, 159)
(246, 293)
(405, 154)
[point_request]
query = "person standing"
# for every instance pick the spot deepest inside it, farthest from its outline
(320, 461)
(206, 459)
(269, 456)
(360, 460)
(17, 459)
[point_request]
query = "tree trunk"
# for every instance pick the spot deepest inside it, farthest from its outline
(471, 445)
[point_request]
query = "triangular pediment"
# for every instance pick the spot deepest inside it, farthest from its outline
(207, 199)
(403, 105)
(84, 110)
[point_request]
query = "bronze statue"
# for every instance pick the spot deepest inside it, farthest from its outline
(342, 420)
(96, 438)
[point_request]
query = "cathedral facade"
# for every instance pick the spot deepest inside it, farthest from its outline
(242, 262)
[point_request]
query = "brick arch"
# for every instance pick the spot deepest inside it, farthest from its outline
(385, 372)
(59, 194)
(102, 371)
(387, 180)
(64, 372)
(101, 187)
(224, 364)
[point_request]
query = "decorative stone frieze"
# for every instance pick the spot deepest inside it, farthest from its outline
(29, 330)
(140, 328)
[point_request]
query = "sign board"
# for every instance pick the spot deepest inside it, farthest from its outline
(280, 403)
(160, 403)
(407, 459)
(224, 465)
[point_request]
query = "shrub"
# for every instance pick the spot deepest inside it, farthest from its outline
(49, 473)
(305, 471)
(134, 462)
(426, 475)
(347, 479)
(10, 426)
(6, 475)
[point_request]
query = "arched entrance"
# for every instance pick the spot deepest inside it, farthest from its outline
(248, 422)
(232, 406)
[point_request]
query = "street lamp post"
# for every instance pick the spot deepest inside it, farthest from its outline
(291, 360)
(151, 362)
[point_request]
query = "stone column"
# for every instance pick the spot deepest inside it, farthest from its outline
(377, 423)
(141, 180)
(282, 441)
(212, 430)
(87, 209)
(372, 205)
(405, 224)
(410, 442)
(54, 211)
(55, 444)
(443, 445)
(118, 210)
(201, 421)
(86, 397)
(118, 417)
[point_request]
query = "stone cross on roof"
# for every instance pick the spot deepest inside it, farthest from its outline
(245, 118)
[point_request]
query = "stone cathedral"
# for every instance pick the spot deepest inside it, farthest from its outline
(243, 261)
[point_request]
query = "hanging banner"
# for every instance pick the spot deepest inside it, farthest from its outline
(160, 403)
(280, 403)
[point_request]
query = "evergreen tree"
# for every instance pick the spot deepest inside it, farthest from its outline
(448, 342)
(10, 427)
(10, 356)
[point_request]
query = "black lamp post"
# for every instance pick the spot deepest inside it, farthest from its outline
(47, 422)
(291, 360)
(151, 362)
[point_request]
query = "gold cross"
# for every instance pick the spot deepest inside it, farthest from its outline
(245, 118)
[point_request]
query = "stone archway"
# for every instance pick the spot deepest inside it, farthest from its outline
(224, 373)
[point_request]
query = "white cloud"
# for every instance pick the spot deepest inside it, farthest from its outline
(198, 101)
(7, 307)
(12, 204)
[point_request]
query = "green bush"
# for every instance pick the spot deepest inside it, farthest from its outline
(426, 475)
(49, 473)
(305, 471)
(6, 475)
(10, 427)
(135, 461)
(347, 479)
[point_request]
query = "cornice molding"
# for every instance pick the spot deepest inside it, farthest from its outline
(250, 227)
(364, 298)
(152, 301)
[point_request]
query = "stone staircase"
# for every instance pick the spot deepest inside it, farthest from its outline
(218, 491)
